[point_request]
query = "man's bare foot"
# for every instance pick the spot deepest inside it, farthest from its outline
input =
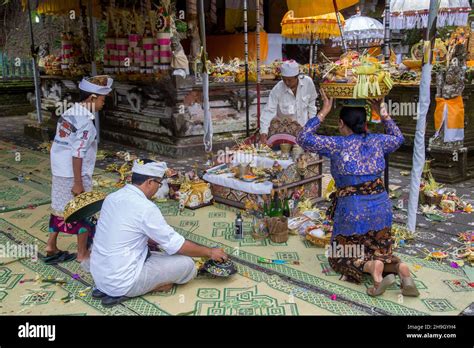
(83, 257)
(164, 288)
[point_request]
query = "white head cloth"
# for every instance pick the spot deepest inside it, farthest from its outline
(290, 68)
(87, 86)
(155, 169)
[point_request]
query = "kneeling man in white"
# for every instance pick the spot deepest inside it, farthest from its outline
(121, 264)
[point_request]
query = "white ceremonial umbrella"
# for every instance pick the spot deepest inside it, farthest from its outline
(208, 130)
(362, 31)
(410, 14)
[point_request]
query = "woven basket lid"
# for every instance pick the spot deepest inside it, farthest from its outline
(84, 205)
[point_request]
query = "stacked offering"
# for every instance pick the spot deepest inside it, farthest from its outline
(356, 77)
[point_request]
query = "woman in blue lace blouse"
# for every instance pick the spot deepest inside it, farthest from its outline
(361, 209)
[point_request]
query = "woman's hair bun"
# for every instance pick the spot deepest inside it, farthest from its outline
(355, 118)
(359, 128)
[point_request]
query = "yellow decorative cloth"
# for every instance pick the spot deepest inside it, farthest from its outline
(450, 112)
(318, 27)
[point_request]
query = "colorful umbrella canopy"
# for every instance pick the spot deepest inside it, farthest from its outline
(312, 28)
(410, 14)
(362, 31)
(304, 8)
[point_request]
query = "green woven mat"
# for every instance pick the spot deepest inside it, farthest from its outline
(35, 187)
(444, 290)
(250, 292)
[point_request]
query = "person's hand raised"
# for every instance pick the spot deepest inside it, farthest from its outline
(327, 105)
(380, 107)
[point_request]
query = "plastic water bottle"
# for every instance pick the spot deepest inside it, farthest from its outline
(239, 228)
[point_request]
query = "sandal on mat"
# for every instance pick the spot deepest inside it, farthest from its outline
(379, 288)
(59, 257)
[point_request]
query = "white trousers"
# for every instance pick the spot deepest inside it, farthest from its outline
(161, 269)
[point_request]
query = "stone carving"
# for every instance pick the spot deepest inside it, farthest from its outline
(52, 90)
(237, 99)
(450, 81)
(450, 84)
(135, 100)
(179, 62)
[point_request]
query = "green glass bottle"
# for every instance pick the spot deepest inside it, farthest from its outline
(277, 208)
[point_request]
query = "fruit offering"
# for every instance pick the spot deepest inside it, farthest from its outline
(358, 76)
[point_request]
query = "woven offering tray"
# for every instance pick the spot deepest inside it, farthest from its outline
(84, 205)
(320, 242)
(413, 63)
(346, 90)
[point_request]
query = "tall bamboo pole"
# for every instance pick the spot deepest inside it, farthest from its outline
(246, 44)
(93, 65)
(258, 62)
(311, 55)
(36, 77)
(386, 47)
(208, 132)
(339, 23)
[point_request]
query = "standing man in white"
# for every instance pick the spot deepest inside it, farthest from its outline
(294, 96)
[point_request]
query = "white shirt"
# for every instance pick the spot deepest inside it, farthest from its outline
(282, 101)
(127, 220)
(75, 137)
